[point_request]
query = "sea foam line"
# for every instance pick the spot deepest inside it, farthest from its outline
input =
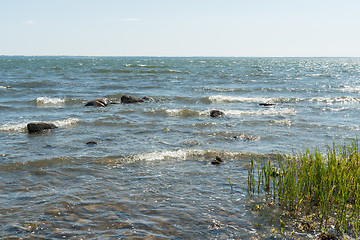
(49, 101)
(18, 127)
(179, 154)
(261, 112)
(223, 98)
(335, 99)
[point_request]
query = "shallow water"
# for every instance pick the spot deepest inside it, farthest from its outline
(149, 175)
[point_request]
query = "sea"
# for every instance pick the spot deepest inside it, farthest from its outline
(143, 170)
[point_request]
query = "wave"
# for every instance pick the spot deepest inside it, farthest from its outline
(350, 89)
(159, 71)
(269, 111)
(44, 101)
(149, 70)
(66, 122)
(185, 112)
(180, 154)
(224, 98)
(230, 99)
(4, 87)
(21, 127)
(331, 100)
(221, 89)
(112, 71)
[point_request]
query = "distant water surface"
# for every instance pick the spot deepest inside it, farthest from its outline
(149, 175)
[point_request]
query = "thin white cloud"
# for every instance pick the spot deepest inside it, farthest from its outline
(29, 22)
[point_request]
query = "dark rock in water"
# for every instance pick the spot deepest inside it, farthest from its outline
(216, 113)
(40, 126)
(91, 143)
(148, 99)
(99, 102)
(131, 99)
(267, 104)
(217, 161)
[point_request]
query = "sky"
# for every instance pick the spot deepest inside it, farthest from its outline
(171, 28)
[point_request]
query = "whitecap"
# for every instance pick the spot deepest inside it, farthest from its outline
(179, 154)
(65, 122)
(13, 127)
(331, 100)
(20, 127)
(286, 122)
(355, 89)
(44, 101)
(270, 111)
(223, 98)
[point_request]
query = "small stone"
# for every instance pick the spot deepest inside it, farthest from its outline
(267, 104)
(217, 161)
(216, 113)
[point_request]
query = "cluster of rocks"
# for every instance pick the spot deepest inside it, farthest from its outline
(103, 102)
(35, 127)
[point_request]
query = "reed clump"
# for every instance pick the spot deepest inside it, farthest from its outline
(324, 185)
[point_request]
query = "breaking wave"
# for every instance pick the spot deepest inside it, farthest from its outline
(179, 154)
(223, 98)
(20, 127)
(261, 112)
(331, 100)
(46, 101)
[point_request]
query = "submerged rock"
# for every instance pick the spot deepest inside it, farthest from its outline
(40, 126)
(216, 113)
(267, 104)
(98, 102)
(132, 99)
(148, 99)
(217, 160)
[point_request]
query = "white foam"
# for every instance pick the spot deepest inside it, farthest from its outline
(4, 87)
(330, 100)
(355, 89)
(270, 111)
(20, 127)
(182, 112)
(286, 122)
(223, 98)
(65, 122)
(13, 127)
(49, 101)
(180, 154)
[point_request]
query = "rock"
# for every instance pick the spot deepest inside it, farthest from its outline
(267, 104)
(148, 99)
(217, 161)
(99, 102)
(216, 113)
(40, 126)
(91, 143)
(131, 99)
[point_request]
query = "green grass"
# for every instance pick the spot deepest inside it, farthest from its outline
(327, 185)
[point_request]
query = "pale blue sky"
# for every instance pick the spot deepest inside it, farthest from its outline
(244, 28)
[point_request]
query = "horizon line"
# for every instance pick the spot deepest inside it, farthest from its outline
(154, 56)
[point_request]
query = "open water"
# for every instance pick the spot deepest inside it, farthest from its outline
(149, 175)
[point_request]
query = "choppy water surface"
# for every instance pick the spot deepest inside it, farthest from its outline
(150, 175)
